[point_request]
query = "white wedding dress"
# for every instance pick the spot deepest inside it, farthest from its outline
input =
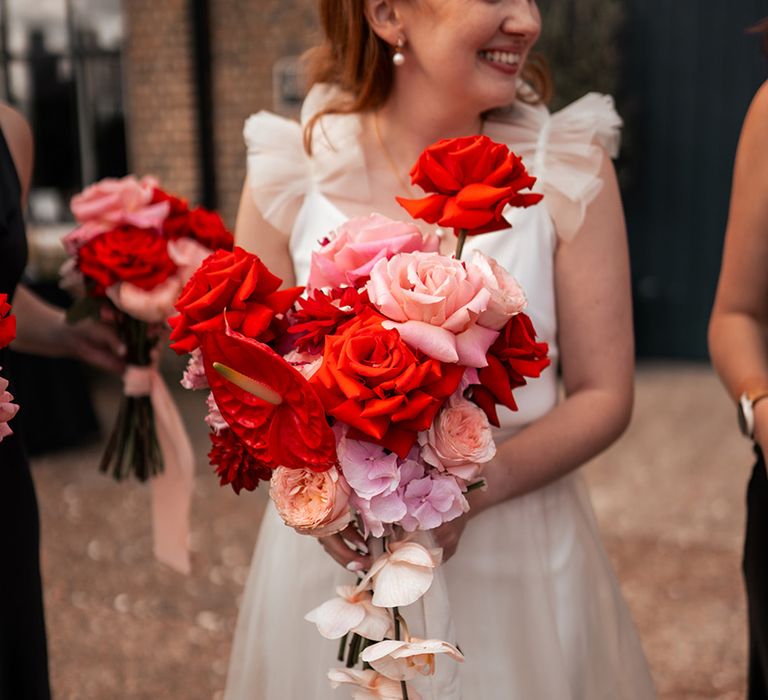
(530, 596)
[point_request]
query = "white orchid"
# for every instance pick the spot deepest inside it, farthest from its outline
(403, 660)
(402, 574)
(352, 611)
(370, 685)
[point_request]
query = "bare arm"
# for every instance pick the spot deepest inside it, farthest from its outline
(41, 328)
(596, 344)
(254, 234)
(739, 322)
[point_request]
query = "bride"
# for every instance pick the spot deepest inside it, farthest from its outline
(534, 604)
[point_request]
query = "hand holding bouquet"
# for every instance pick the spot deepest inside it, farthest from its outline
(368, 398)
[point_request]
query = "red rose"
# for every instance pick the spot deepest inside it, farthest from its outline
(237, 285)
(7, 322)
(208, 228)
(234, 464)
(201, 224)
(371, 380)
(471, 179)
(177, 212)
(514, 356)
(126, 254)
(321, 314)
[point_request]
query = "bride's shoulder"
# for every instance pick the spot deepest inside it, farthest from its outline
(565, 150)
(282, 171)
(590, 119)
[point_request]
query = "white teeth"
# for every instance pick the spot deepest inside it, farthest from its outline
(505, 57)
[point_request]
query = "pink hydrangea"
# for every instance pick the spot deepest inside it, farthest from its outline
(369, 469)
(379, 512)
(431, 501)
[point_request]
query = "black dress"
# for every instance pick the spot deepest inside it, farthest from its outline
(756, 579)
(23, 654)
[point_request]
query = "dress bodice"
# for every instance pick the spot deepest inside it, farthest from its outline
(304, 197)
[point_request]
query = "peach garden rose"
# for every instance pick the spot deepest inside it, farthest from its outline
(459, 440)
(313, 503)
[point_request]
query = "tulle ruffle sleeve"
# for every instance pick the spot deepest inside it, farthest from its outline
(280, 171)
(564, 150)
(278, 168)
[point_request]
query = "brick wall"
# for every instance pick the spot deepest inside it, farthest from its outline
(247, 37)
(160, 95)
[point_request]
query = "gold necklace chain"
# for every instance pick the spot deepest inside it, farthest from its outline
(390, 161)
(395, 170)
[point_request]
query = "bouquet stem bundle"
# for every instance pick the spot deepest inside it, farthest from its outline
(133, 448)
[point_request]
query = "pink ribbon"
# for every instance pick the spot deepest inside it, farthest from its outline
(171, 490)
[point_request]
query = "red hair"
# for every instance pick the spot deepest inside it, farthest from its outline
(357, 60)
(761, 28)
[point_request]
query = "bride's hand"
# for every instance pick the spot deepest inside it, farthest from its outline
(448, 535)
(348, 548)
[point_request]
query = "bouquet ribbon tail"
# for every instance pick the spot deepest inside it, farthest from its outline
(172, 489)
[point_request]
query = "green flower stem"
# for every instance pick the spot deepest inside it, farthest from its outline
(342, 647)
(460, 242)
(396, 615)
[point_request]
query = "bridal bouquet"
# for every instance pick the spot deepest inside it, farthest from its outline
(8, 409)
(367, 399)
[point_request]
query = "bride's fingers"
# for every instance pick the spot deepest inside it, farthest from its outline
(349, 558)
(354, 539)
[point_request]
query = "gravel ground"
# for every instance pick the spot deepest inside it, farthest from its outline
(669, 497)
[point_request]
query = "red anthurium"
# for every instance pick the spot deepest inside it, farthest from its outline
(293, 433)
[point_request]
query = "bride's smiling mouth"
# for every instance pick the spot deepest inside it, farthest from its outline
(502, 60)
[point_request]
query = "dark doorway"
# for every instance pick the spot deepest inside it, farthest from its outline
(690, 72)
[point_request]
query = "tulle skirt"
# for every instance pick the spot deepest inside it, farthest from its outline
(530, 598)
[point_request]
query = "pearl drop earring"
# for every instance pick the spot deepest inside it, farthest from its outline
(398, 58)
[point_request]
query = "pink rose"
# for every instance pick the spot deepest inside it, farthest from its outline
(313, 503)
(459, 440)
(434, 302)
(7, 409)
(431, 501)
(357, 245)
(507, 296)
(112, 202)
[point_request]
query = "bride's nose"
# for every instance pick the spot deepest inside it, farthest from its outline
(522, 19)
